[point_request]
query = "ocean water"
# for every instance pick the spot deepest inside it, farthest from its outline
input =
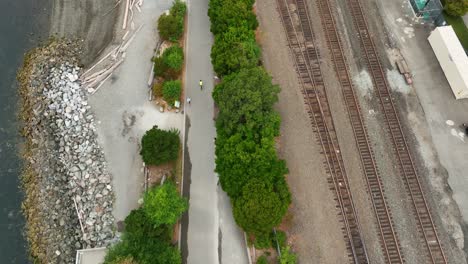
(23, 24)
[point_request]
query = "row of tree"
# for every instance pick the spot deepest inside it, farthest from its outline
(148, 234)
(147, 238)
(249, 169)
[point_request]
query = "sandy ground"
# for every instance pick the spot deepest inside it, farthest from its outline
(90, 20)
(315, 230)
(124, 112)
(211, 235)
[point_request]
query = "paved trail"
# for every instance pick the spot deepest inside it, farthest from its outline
(212, 236)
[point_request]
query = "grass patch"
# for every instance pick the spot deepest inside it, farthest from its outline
(459, 27)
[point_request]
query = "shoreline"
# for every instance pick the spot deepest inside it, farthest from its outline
(68, 197)
(52, 229)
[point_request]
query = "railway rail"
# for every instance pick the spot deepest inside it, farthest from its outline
(388, 237)
(307, 63)
(406, 164)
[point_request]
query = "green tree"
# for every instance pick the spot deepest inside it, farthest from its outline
(170, 27)
(159, 146)
(171, 91)
(246, 99)
(260, 207)
(140, 227)
(173, 58)
(234, 50)
(238, 161)
(287, 256)
(456, 7)
(164, 205)
(231, 13)
(152, 251)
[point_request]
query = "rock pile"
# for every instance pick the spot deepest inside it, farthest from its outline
(68, 180)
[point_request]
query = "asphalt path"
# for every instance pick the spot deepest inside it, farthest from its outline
(209, 233)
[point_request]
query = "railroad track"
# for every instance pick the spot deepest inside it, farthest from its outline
(388, 238)
(307, 63)
(406, 164)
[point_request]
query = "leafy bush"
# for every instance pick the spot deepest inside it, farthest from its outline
(163, 70)
(124, 260)
(157, 89)
(170, 27)
(245, 101)
(160, 67)
(140, 227)
(159, 146)
(260, 207)
(173, 58)
(262, 260)
(178, 8)
(456, 7)
(231, 13)
(287, 256)
(234, 50)
(171, 91)
(164, 205)
(238, 161)
(262, 241)
(152, 251)
(280, 237)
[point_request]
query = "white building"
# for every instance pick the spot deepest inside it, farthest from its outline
(452, 58)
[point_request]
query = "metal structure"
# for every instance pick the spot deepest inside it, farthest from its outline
(426, 226)
(307, 63)
(429, 10)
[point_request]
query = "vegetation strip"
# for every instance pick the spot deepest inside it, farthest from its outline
(249, 169)
(149, 235)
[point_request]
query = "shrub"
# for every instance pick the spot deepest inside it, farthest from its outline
(178, 8)
(280, 238)
(456, 7)
(140, 227)
(239, 160)
(152, 251)
(171, 91)
(164, 205)
(173, 58)
(234, 50)
(124, 260)
(157, 89)
(262, 260)
(160, 68)
(262, 241)
(287, 256)
(159, 146)
(170, 27)
(260, 207)
(246, 100)
(231, 13)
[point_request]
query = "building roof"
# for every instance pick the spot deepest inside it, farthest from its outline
(456, 52)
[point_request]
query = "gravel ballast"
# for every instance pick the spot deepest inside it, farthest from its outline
(65, 172)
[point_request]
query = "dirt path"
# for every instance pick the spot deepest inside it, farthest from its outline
(314, 229)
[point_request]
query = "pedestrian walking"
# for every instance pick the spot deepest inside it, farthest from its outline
(189, 100)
